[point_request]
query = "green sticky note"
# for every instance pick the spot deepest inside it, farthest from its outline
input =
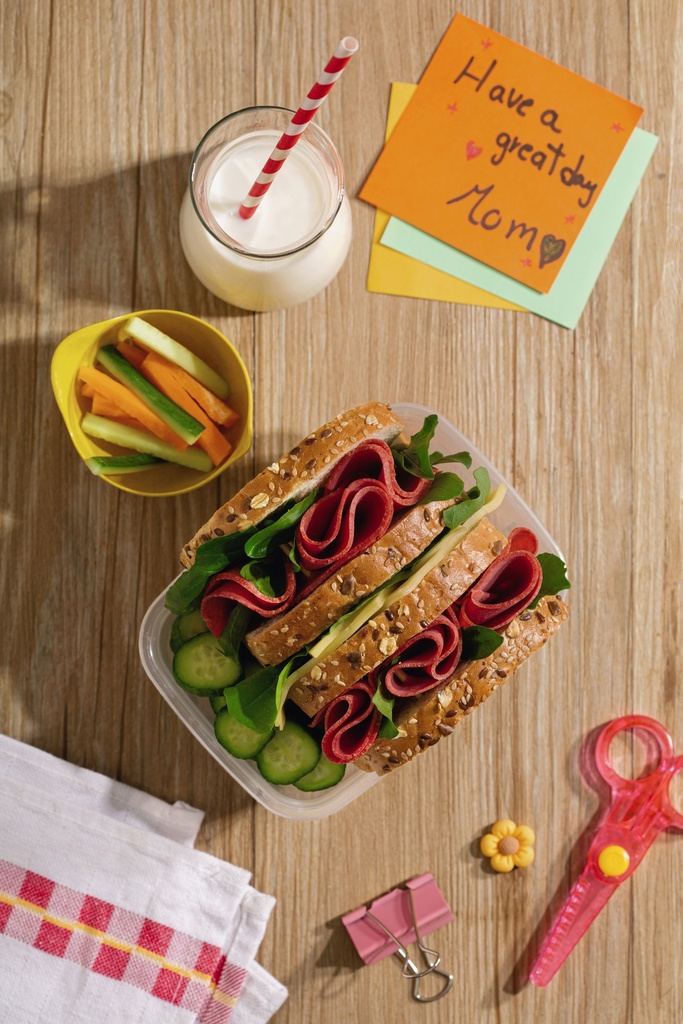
(566, 300)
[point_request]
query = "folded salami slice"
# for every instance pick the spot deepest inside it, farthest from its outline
(342, 524)
(372, 459)
(424, 661)
(504, 590)
(351, 723)
(228, 588)
(522, 539)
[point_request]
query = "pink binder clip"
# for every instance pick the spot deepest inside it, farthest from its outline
(394, 921)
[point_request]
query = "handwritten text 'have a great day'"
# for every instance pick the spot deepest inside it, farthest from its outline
(548, 160)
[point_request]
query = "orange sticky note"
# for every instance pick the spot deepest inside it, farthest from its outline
(501, 153)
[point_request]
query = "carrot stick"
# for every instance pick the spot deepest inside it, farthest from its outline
(130, 404)
(214, 407)
(133, 353)
(216, 446)
(87, 390)
(104, 407)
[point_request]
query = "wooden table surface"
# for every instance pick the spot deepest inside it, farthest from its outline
(101, 105)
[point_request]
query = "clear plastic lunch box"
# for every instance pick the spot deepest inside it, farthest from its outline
(196, 713)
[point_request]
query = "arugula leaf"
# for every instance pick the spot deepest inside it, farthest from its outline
(267, 576)
(445, 486)
(476, 498)
(464, 458)
(293, 556)
(211, 557)
(479, 642)
(415, 458)
(554, 577)
(269, 537)
(236, 626)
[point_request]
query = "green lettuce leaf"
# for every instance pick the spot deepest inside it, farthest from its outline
(384, 702)
(267, 576)
(477, 497)
(211, 557)
(231, 638)
(274, 533)
(479, 642)
(220, 553)
(554, 577)
(255, 701)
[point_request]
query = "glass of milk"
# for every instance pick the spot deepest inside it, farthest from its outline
(298, 238)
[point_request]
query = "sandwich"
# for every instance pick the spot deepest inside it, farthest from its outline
(354, 601)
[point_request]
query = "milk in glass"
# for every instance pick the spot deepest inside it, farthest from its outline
(298, 238)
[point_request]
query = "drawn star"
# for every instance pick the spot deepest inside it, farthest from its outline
(616, 127)
(452, 107)
(570, 218)
(526, 262)
(485, 43)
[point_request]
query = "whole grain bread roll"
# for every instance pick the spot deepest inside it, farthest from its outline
(410, 534)
(380, 637)
(297, 472)
(424, 720)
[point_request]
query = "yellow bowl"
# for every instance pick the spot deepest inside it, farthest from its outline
(80, 349)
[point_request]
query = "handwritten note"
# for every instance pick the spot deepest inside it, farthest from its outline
(501, 153)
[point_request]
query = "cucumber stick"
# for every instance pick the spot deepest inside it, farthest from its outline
(154, 339)
(141, 441)
(104, 464)
(177, 419)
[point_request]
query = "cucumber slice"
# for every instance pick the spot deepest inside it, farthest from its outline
(325, 775)
(154, 339)
(103, 464)
(141, 441)
(177, 419)
(217, 702)
(238, 739)
(185, 627)
(291, 754)
(201, 667)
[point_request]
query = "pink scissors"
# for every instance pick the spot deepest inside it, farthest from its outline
(639, 810)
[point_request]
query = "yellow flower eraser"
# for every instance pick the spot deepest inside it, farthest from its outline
(508, 845)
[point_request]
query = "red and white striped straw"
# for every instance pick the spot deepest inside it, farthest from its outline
(306, 112)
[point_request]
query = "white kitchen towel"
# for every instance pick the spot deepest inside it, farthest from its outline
(97, 792)
(105, 920)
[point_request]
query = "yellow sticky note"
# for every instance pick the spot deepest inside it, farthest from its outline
(392, 273)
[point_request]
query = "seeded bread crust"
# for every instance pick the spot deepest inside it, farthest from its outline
(379, 638)
(281, 637)
(423, 721)
(296, 473)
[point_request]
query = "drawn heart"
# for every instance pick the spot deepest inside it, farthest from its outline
(551, 249)
(472, 150)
